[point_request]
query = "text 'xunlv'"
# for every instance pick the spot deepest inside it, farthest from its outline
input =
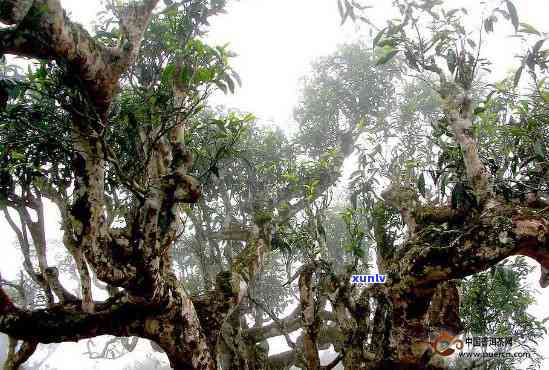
(368, 279)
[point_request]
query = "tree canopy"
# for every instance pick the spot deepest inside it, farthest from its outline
(208, 232)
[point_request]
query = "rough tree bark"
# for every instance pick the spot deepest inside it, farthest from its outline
(420, 287)
(206, 332)
(153, 304)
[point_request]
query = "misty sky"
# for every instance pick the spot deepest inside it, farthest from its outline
(276, 40)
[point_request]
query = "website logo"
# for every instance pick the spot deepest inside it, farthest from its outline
(443, 343)
(368, 279)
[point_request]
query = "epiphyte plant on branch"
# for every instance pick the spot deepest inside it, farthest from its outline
(152, 186)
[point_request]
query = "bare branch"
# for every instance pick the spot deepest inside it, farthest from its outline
(15, 358)
(134, 19)
(501, 231)
(52, 275)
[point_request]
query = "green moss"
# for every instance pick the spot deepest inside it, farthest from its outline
(223, 282)
(380, 220)
(436, 272)
(502, 223)
(427, 215)
(262, 217)
(243, 260)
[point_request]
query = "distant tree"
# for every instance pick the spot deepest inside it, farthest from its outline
(204, 226)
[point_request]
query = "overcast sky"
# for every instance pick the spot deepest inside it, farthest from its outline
(276, 40)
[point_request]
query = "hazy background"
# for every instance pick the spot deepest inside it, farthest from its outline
(276, 42)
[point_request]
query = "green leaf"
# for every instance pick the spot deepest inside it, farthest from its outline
(351, 11)
(378, 37)
(387, 42)
(451, 13)
(168, 73)
(518, 73)
(41, 72)
(356, 173)
(458, 196)
(357, 5)
(171, 11)
(290, 177)
(530, 60)
(230, 83)
(42, 9)
(513, 14)
(222, 86)
(204, 75)
(538, 46)
(345, 10)
(479, 110)
(354, 199)
(359, 252)
(489, 97)
(489, 25)
(421, 184)
(451, 60)
(411, 59)
(526, 28)
(220, 135)
(17, 156)
(340, 8)
(443, 183)
(237, 78)
(539, 150)
(388, 54)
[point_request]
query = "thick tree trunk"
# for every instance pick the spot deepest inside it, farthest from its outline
(207, 332)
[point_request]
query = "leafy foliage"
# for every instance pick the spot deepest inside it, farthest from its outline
(495, 303)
